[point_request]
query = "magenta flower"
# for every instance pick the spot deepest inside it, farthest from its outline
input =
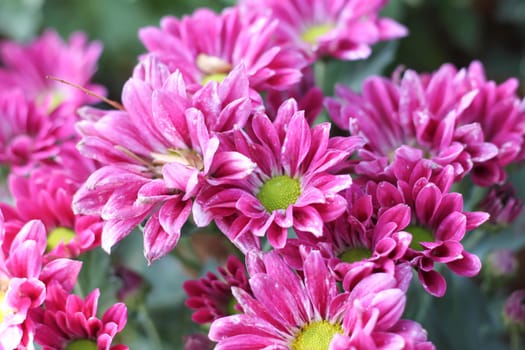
(211, 296)
(159, 153)
(28, 136)
(514, 309)
(24, 279)
(68, 322)
(503, 205)
(47, 194)
(27, 66)
(344, 29)
(207, 46)
(438, 223)
(290, 312)
(500, 113)
(292, 186)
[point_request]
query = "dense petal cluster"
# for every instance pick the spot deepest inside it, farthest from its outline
(68, 322)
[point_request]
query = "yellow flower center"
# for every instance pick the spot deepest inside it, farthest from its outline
(213, 68)
(82, 344)
(312, 34)
(279, 192)
(59, 235)
(355, 254)
(187, 157)
(316, 336)
(419, 234)
(4, 309)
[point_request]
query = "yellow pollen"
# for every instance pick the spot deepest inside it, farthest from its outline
(82, 344)
(213, 67)
(187, 157)
(59, 235)
(316, 336)
(279, 192)
(4, 309)
(312, 34)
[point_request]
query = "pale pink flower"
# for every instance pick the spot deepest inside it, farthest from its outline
(344, 29)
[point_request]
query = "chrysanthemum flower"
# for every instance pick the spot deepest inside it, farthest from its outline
(27, 66)
(290, 312)
(23, 281)
(503, 205)
(207, 46)
(438, 223)
(47, 194)
(28, 135)
(292, 186)
(68, 322)
(211, 296)
(344, 29)
(158, 153)
(500, 113)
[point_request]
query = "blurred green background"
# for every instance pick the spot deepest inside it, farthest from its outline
(455, 31)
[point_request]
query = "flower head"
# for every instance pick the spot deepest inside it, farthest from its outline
(159, 152)
(207, 46)
(344, 29)
(293, 185)
(288, 311)
(68, 322)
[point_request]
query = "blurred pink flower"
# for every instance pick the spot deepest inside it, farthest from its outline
(67, 322)
(344, 29)
(27, 66)
(207, 46)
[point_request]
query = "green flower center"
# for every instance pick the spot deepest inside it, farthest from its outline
(279, 192)
(355, 254)
(59, 235)
(213, 68)
(316, 336)
(312, 34)
(82, 344)
(419, 234)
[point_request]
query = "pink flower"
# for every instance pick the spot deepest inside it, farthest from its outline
(438, 223)
(211, 296)
(344, 29)
(503, 205)
(47, 194)
(514, 309)
(27, 66)
(24, 279)
(287, 311)
(159, 153)
(293, 184)
(207, 46)
(67, 321)
(28, 136)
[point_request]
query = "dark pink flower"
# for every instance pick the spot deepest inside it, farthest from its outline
(159, 152)
(211, 296)
(47, 194)
(293, 184)
(27, 66)
(289, 311)
(503, 205)
(67, 321)
(514, 309)
(207, 46)
(344, 29)
(438, 222)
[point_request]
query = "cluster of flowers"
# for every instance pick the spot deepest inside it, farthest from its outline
(218, 125)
